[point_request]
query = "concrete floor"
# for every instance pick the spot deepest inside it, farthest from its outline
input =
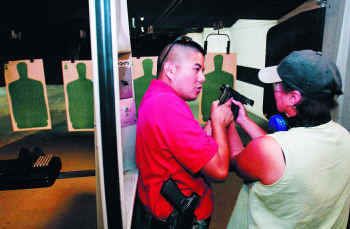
(225, 195)
(71, 203)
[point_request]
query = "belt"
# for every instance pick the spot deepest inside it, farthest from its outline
(154, 222)
(144, 219)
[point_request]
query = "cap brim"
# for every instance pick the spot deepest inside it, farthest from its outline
(269, 75)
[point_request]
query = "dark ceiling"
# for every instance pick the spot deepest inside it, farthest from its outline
(172, 15)
(164, 15)
(171, 18)
(51, 29)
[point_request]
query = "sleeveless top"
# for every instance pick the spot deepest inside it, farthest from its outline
(314, 191)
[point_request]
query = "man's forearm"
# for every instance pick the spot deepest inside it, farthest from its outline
(220, 135)
(235, 141)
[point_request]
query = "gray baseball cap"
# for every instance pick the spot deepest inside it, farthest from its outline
(307, 71)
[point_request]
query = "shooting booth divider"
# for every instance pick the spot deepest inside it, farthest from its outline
(127, 111)
(116, 179)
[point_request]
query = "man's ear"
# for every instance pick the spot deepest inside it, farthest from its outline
(294, 97)
(170, 70)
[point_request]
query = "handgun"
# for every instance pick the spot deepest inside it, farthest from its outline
(32, 169)
(227, 92)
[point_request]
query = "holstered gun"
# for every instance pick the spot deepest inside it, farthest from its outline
(184, 207)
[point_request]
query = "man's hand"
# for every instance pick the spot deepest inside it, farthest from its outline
(221, 114)
(221, 117)
(207, 128)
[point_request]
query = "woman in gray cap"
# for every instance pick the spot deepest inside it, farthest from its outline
(297, 178)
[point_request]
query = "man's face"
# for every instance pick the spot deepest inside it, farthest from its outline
(189, 76)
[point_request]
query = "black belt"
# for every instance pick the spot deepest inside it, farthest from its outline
(154, 222)
(157, 223)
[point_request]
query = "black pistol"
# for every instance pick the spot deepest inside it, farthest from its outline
(227, 92)
(32, 169)
(184, 207)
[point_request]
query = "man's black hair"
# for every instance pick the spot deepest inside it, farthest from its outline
(184, 41)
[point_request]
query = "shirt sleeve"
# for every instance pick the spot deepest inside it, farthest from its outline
(184, 137)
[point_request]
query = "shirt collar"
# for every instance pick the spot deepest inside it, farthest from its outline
(162, 86)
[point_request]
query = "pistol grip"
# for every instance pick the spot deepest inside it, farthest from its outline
(222, 99)
(225, 95)
(234, 109)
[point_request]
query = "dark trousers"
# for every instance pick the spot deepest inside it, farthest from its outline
(142, 219)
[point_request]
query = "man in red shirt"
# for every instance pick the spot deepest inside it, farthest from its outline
(170, 143)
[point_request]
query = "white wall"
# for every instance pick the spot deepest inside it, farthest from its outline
(216, 44)
(248, 40)
(197, 37)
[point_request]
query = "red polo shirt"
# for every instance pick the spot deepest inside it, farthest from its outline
(171, 143)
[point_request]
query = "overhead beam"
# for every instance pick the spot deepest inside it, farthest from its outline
(171, 7)
(306, 6)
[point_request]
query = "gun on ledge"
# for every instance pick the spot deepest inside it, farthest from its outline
(32, 169)
(183, 214)
(227, 92)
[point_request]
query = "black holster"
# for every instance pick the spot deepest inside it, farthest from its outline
(143, 219)
(183, 214)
